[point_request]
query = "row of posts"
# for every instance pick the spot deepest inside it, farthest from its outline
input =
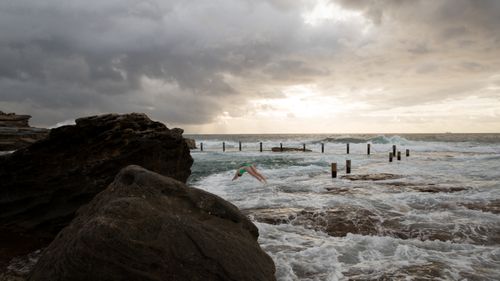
(347, 168)
(334, 165)
(393, 153)
(368, 146)
(348, 162)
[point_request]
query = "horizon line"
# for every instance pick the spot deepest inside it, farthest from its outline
(445, 133)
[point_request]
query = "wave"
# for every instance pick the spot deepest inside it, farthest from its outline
(377, 140)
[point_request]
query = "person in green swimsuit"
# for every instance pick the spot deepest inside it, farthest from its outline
(250, 168)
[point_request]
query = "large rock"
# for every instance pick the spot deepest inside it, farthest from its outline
(44, 184)
(145, 226)
(15, 132)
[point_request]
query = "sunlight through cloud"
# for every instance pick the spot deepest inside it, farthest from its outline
(325, 10)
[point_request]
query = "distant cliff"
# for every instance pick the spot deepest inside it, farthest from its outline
(15, 132)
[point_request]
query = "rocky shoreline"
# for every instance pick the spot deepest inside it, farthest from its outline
(76, 195)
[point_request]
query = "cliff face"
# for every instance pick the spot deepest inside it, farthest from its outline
(13, 120)
(145, 226)
(15, 132)
(44, 184)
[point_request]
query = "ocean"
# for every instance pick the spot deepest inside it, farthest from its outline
(434, 215)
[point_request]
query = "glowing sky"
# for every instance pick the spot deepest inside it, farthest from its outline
(241, 66)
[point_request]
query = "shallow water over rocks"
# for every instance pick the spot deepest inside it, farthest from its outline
(431, 216)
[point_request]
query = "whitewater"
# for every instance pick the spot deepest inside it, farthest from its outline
(434, 215)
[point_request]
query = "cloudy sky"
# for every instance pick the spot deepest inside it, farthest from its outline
(246, 66)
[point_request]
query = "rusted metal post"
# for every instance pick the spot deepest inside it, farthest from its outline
(394, 149)
(407, 153)
(334, 170)
(239, 146)
(322, 148)
(223, 146)
(390, 156)
(304, 147)
(347, 166)
(399, 155)
(347, 148)
(368, 149)
(260, 146)
(281, 147)
(201, 146)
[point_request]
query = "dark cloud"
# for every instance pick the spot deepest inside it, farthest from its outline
(186, 62)
(80, 56)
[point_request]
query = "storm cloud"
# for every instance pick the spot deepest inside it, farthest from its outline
(191, 62)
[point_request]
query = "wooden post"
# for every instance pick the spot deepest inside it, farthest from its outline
(394, 150)
(347, 147)
(304, 147)
(260, 146)
(240, 145)
(201, 146)
(281, 147)
(368, 149)
(323, 149)
(334, 170)
(407, 153)
(399, 155)
(390, 156)
(347, 166)
(223, 146)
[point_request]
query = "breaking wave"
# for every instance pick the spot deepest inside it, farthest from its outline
(382, 139)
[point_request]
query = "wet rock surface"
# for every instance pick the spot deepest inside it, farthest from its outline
(428, 271)
(145, 226)
(492, 206)
(45, 183)
(19, 267)
(423, 187)
(344, 219)
(372, 177)
(17, 254)
(337, 221)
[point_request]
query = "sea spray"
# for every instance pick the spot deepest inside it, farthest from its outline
(438, 219)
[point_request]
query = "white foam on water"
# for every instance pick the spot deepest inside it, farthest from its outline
(300, 254)
(300, 180)
(303, 254)
(63, 123)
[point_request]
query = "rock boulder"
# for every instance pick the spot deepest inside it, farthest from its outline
(145, 226)
(44, 184)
